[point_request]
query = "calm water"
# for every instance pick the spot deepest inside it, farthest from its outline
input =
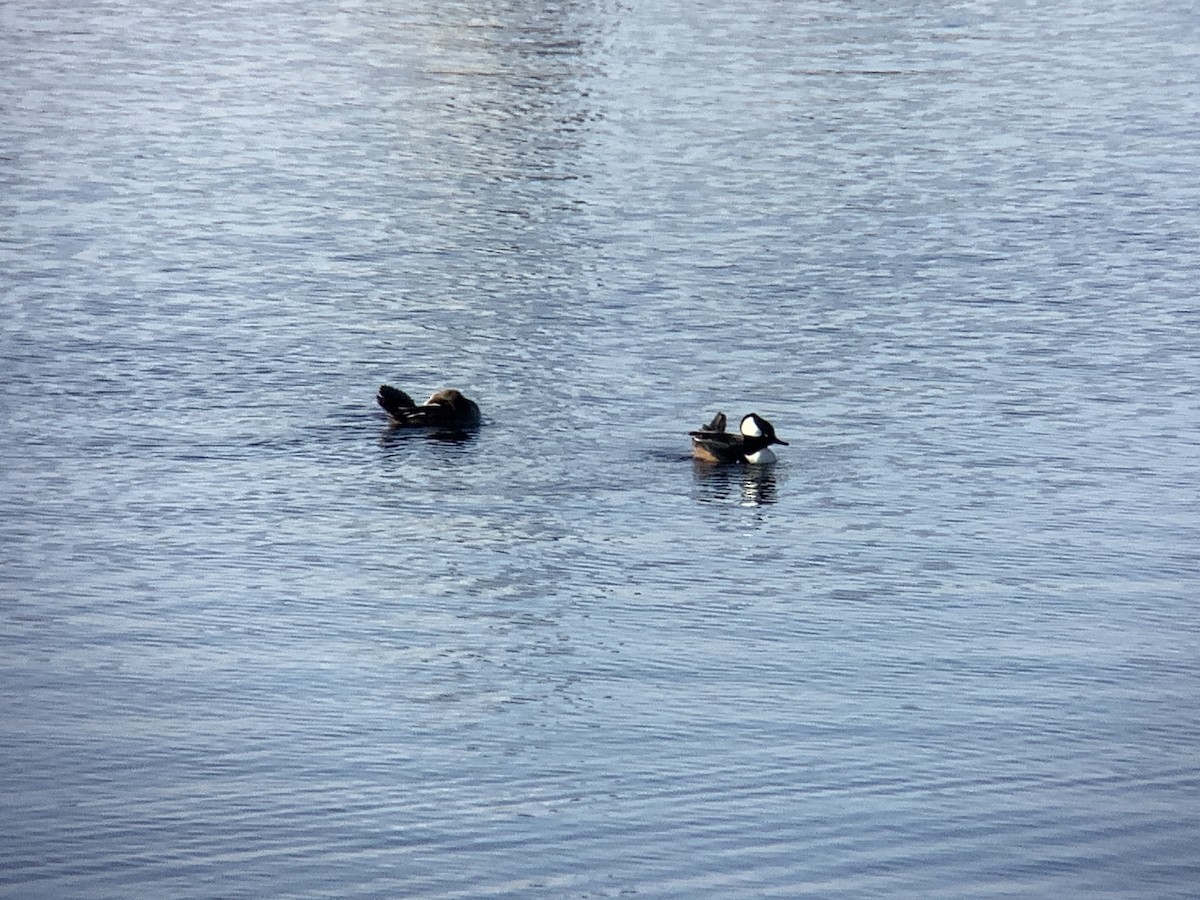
(253, 646)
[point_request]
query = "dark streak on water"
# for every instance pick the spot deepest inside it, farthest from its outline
(254, 645)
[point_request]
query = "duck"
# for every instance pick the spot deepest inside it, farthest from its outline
(447, 410)
(713, 444)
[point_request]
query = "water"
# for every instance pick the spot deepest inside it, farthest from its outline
(253, 645)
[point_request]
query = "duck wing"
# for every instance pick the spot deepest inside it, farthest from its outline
(716, 446)
(715, 427)
(433, 415)
(716, 438)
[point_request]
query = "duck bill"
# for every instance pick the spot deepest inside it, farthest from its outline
(780, 441)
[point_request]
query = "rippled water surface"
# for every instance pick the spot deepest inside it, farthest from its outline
(253, 645)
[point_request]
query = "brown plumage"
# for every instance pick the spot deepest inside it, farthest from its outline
(447, 410)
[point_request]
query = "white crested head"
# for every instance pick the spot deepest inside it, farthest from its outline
(751, 426)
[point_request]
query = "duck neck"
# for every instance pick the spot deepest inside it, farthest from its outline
(754, 444)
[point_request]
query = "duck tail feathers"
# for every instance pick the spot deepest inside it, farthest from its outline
(395, 402)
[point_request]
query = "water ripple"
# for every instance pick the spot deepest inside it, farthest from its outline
(256, 643)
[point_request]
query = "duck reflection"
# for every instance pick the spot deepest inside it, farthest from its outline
(394, 438)
(747, 485)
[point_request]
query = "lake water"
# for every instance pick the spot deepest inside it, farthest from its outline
(253, 645)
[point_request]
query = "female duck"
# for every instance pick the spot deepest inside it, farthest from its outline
(448, 410)
(713, 444)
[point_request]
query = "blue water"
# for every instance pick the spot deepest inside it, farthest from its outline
(254, 645)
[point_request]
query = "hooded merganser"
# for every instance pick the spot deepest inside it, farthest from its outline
(713, 444)
(448, 410)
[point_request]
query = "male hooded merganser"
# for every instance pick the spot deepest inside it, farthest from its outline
(448, 410)
(713, 444)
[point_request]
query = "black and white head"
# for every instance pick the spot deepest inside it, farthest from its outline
(755, 426)
(760, 433)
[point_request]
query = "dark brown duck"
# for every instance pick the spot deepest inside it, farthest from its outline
(447, 410)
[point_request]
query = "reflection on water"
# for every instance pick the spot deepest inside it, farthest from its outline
(744, 484)
(252, 645)
(393, 436)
